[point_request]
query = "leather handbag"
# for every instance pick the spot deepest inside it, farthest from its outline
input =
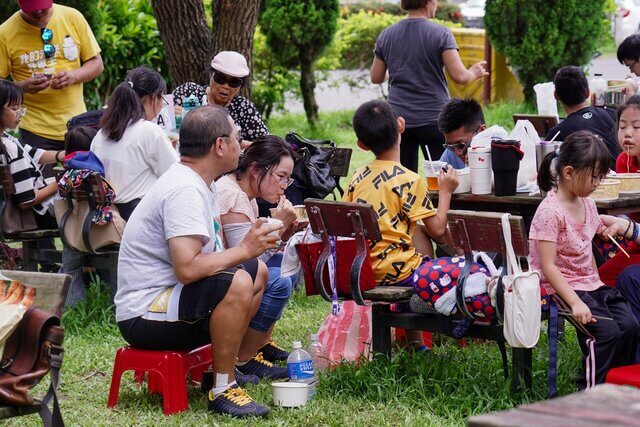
(34, 349)
(13, 218)
(78, 231)
(313, 170)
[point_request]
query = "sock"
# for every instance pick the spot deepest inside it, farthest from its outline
(241, 363)
(222, 389)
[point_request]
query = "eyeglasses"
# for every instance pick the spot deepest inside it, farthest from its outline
(237, 138)
(165, 103)
(231, 81)
(633, 64)
(460, 145)
(282, 180)
(47, 35)
(19, 111)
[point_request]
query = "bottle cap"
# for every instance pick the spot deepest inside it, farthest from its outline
(314, 337)
(297, 344)
(598, 74)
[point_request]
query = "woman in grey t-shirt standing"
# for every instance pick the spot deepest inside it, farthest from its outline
(415, 51)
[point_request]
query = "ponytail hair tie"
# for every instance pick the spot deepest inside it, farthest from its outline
(558, 152)
(130, 83)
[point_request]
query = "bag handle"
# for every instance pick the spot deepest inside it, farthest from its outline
(513, 267)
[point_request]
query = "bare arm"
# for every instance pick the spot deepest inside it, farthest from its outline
(191, 265)
(457, 70)
(91, 69)
(436, 225)
(615, 226)
(42, 194)
(547, 252)
(378, 71)
(49, 157)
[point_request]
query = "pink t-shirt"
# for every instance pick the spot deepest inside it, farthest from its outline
(553, 223)
(232, 199)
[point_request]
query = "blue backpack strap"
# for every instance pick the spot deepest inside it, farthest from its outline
(553, 347)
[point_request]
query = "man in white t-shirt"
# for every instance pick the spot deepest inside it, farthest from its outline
(177, 287)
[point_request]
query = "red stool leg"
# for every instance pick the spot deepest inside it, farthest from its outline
(155, 382)
(198, 361)
(139, 375)
(174, 386)
(118, 369)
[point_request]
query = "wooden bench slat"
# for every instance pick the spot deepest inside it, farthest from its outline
(389, 293)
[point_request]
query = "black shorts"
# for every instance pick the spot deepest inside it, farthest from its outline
(196, 303)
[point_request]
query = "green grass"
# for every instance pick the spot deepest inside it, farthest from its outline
(441, 388)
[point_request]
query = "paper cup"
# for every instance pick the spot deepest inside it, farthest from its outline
(290, 395)
(464, 181)
(480, 181)
(479, 157)
(429, 169)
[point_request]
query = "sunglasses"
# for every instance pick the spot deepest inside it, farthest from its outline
(231, 81)
(47, 35)
(461, 145)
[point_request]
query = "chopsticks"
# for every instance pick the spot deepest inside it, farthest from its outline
(618, 245)
(568, 313)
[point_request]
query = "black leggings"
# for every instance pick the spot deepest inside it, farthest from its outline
(420, 137)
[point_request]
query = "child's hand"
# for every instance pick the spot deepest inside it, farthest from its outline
(448, 181)
(581, 313)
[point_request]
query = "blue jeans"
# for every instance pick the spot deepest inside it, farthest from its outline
(275, 297)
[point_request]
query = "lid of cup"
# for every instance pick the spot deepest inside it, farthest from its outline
(480, 149)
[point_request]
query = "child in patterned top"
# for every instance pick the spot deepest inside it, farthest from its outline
(560, 240)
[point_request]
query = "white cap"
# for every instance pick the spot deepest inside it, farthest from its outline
(297, 344)
(230, 63)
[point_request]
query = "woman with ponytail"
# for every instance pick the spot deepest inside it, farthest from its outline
(134, 150)
(560, 245)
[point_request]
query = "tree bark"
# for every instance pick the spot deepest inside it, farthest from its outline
(187, 39)
(234, 24)
(307, 87)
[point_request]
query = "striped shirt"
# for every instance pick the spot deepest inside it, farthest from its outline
(25, 171)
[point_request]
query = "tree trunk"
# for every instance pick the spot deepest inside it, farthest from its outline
(187, 39)
(307, 86)
(234, 24)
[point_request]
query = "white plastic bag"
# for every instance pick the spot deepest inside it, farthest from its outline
(483, 139)
(526, 133)
(522, 309)
(545, 99)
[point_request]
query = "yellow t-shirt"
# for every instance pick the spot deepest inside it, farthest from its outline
(21, 56)
(400, 198)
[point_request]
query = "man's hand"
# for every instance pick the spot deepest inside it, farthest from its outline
(34, 84)
(63, 79)
(258, 240)
(448, 181)
(479, 69)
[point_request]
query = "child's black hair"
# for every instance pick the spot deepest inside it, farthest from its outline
(78, 139)
(10, 93)
(376, 126)
(633, 102)
(580, 150)
(459, 113)
(571, 85)
(629, 49)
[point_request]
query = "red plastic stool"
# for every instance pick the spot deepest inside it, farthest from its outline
(167, 373)
(625, 375)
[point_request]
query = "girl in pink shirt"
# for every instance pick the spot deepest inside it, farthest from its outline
(560, 241)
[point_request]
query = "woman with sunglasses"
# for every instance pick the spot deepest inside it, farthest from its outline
(415, 52)
(229, 71)
(264, 171)
(134, 150)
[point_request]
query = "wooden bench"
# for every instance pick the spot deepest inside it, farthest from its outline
(92, 191)
(32, 253)
(469, 230)
(51, 292)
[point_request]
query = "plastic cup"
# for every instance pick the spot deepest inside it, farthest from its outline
(479, 157)
(290, 395)
(429, 169)
(480, 181)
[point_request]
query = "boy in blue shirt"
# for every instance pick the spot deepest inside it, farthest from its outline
(460, 120)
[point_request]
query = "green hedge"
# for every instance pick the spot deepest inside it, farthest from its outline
(444, 12)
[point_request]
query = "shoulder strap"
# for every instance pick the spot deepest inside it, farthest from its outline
(49, 419)
(512, 262)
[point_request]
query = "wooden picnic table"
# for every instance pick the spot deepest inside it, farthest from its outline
(525, 205)
(603, 405)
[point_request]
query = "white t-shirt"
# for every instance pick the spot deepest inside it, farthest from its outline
(135, 162)
(178, 204)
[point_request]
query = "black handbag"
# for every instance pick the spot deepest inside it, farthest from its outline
(313, 170)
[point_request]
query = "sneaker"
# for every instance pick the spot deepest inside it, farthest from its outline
(207, 380)
(262, 368)
(273, 352)
(236, 402)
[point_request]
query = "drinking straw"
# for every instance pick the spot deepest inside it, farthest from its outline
(554, 136)
(618, 245)
(430, 161)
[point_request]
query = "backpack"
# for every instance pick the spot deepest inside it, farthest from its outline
(89, 118)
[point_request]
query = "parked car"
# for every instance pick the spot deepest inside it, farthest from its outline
(627, 19)
(473, 13)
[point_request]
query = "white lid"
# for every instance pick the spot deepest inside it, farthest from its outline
(464, 171)
(297, 344)
(480, 149)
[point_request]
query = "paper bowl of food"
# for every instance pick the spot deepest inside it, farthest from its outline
(290, 395)
(608, 189)
(301, 213)
(629, 182)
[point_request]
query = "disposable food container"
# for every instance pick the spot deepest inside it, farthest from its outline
(607, 190)
(629, 182)
(290, 395)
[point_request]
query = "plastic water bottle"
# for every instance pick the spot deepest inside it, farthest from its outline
(316, 350)
(191, 102)
(300, 368)
(598, 86)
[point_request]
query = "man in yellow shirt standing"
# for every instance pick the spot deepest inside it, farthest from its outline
(49, 51)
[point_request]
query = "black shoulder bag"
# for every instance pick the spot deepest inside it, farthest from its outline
(313, 170)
